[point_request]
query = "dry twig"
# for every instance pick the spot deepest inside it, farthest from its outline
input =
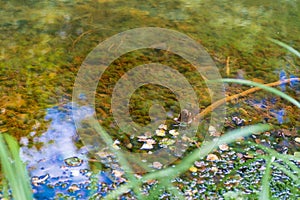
(218, 103)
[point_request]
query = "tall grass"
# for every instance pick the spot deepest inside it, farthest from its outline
(16, 179)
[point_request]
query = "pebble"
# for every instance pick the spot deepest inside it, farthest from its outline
(118, 173)
(193, 169)
(212, 157)
(73, 161)
(160, 133)
(73, 188)
(174, 132)
(224, 147)
(147, 146)
(199, 163)
(248, 156)
(115, 144)
(212, 130)
(129, 146)
(163, 126)
(142, 138)
(238, 121)
(157, 165)
(150, 141)
(39, 180)
(214, 169)
(166, 142)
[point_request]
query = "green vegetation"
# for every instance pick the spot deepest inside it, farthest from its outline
(165, 175)
(15, 177)
(43, 45)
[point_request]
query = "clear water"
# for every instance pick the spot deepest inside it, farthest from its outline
(43, 44)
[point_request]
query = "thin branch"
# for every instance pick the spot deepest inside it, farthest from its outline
(218, 103)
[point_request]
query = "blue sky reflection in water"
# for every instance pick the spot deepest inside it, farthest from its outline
(43, 43)
(59, 166)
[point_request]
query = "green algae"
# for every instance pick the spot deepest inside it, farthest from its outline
(42, 45)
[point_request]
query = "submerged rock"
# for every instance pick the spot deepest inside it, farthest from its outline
(73, 161)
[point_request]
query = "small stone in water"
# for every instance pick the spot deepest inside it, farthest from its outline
(157, 165)
(147, 146)
(249, 156)
(224, 147)
(129, 145)
(160, 133)
(166, 142)
(174, 132)
(39, 180)
(163, 126)
(193, 169)
(151, 141)
(73, 188)
(115, 144)
(199, 164)
(142, 138)
(73, 161)
(213, 131)
(118, 173)
(214, 169)
(212, 157)
(240, 155)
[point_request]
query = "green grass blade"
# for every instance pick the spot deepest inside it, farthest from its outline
(5, 189)
(285, 157)
(225, 139)
(8, 168)
(13, 169)
(21, 173)
(174, 191)
(262, 86)
(120, 157)
(286, 171)
(156, 191)
(190, 159)
(289, 48)
(265, 192)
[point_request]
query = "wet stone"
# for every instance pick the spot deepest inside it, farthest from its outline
(73, 161)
